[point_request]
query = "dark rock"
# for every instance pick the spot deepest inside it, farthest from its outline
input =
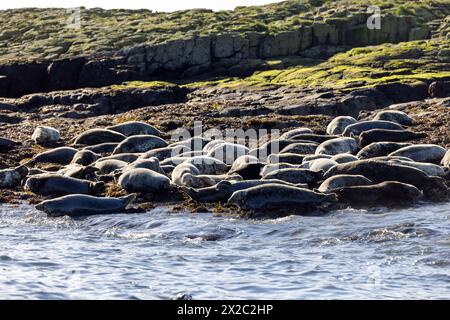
(64, 74)
(401, 92)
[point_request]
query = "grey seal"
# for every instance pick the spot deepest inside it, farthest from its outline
(45, 135)
(12, 177)
(151, 164)
(300, 148)
(294, 132)
(394, 116)
(103, 148)
(294, 175)
(338, 124)
(57, 185)
(78, 171)
(446, 159)
(291, 158)
(98, 136)
(108, 166)
(223, 190)
(311, 137)
(85, 157)
(381, 171)
(277, 196)
(337, 146)
(165, 153)
(61, 155)
(430, 169)
(196, 143)
(139, 144)
(208, 165)
(359, 127)
(316, 156)
(422, 153)
(228, 152)
(143, 180)
(379, 135)
(343, 180)
(344, 158)
(380, 149)
(248, 167)
(79, 205)
(125, 157)
(212, 144)
(321, 164)
(7, 144)
(135, 128)
(389, 193)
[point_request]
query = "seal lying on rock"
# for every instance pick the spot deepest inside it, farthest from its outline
(270, 167)
(79, 205)
(98, 136)
(135, 128)
(294, 132)
(343, 180)
(379, 135)
(248, 167)
(45, 135)
(383, 194)
(277, 196)
(380, 149)
(165, 153)
(7, 145)
(125, 157)
(344, 158)
(10, 178)
(429, 168)
(300, 148)
(151, 164)
(103, 148)
(144, 180)
(291, 158)
(78, 171)
(108, 166)
(394, 116)
(139, 144)
(359, 127)
(446, 159)
(338, 124)
(56, 185)
(212, 144)
(295, 176)
(338, 146)
(228, 152)
(223, 190)
(380, 171)
(62, 155)
(321, 164)
(85, 157)
(208, 165)
(311, 137)
(422, 153)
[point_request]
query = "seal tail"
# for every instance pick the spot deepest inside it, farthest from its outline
(129, 199)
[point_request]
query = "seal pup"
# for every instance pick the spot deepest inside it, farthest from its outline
(61, 155)
(139, 144)
(389, 193)
(57, 185)
(98, 136)
(278, 196)
(45, 135)
(135, 128)
(338, 124)
(12, 177)
(85, 157)
(143, 180)
(394, 116)
(422, 153)
(380, 149)
(343, 180)
(337, 146)
(380, 135)
(359, 127)
(80, 205)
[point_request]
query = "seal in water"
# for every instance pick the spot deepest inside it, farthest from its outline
(79, 205)
(45, 135)
(277, 196)
(10, 178)
(144, 180)
(223, 190)
(394, 116)
(343, 180)
(422, 153)
(380, 149)
(61, 155)
(389, 193)
(378, 171)
(135, 128)
(359, 127)
(140, 144)
(338, 124)
(98, 136)
(57, 185)
(295, 175)
(379, 135)
(85, 157)
(337, 146)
